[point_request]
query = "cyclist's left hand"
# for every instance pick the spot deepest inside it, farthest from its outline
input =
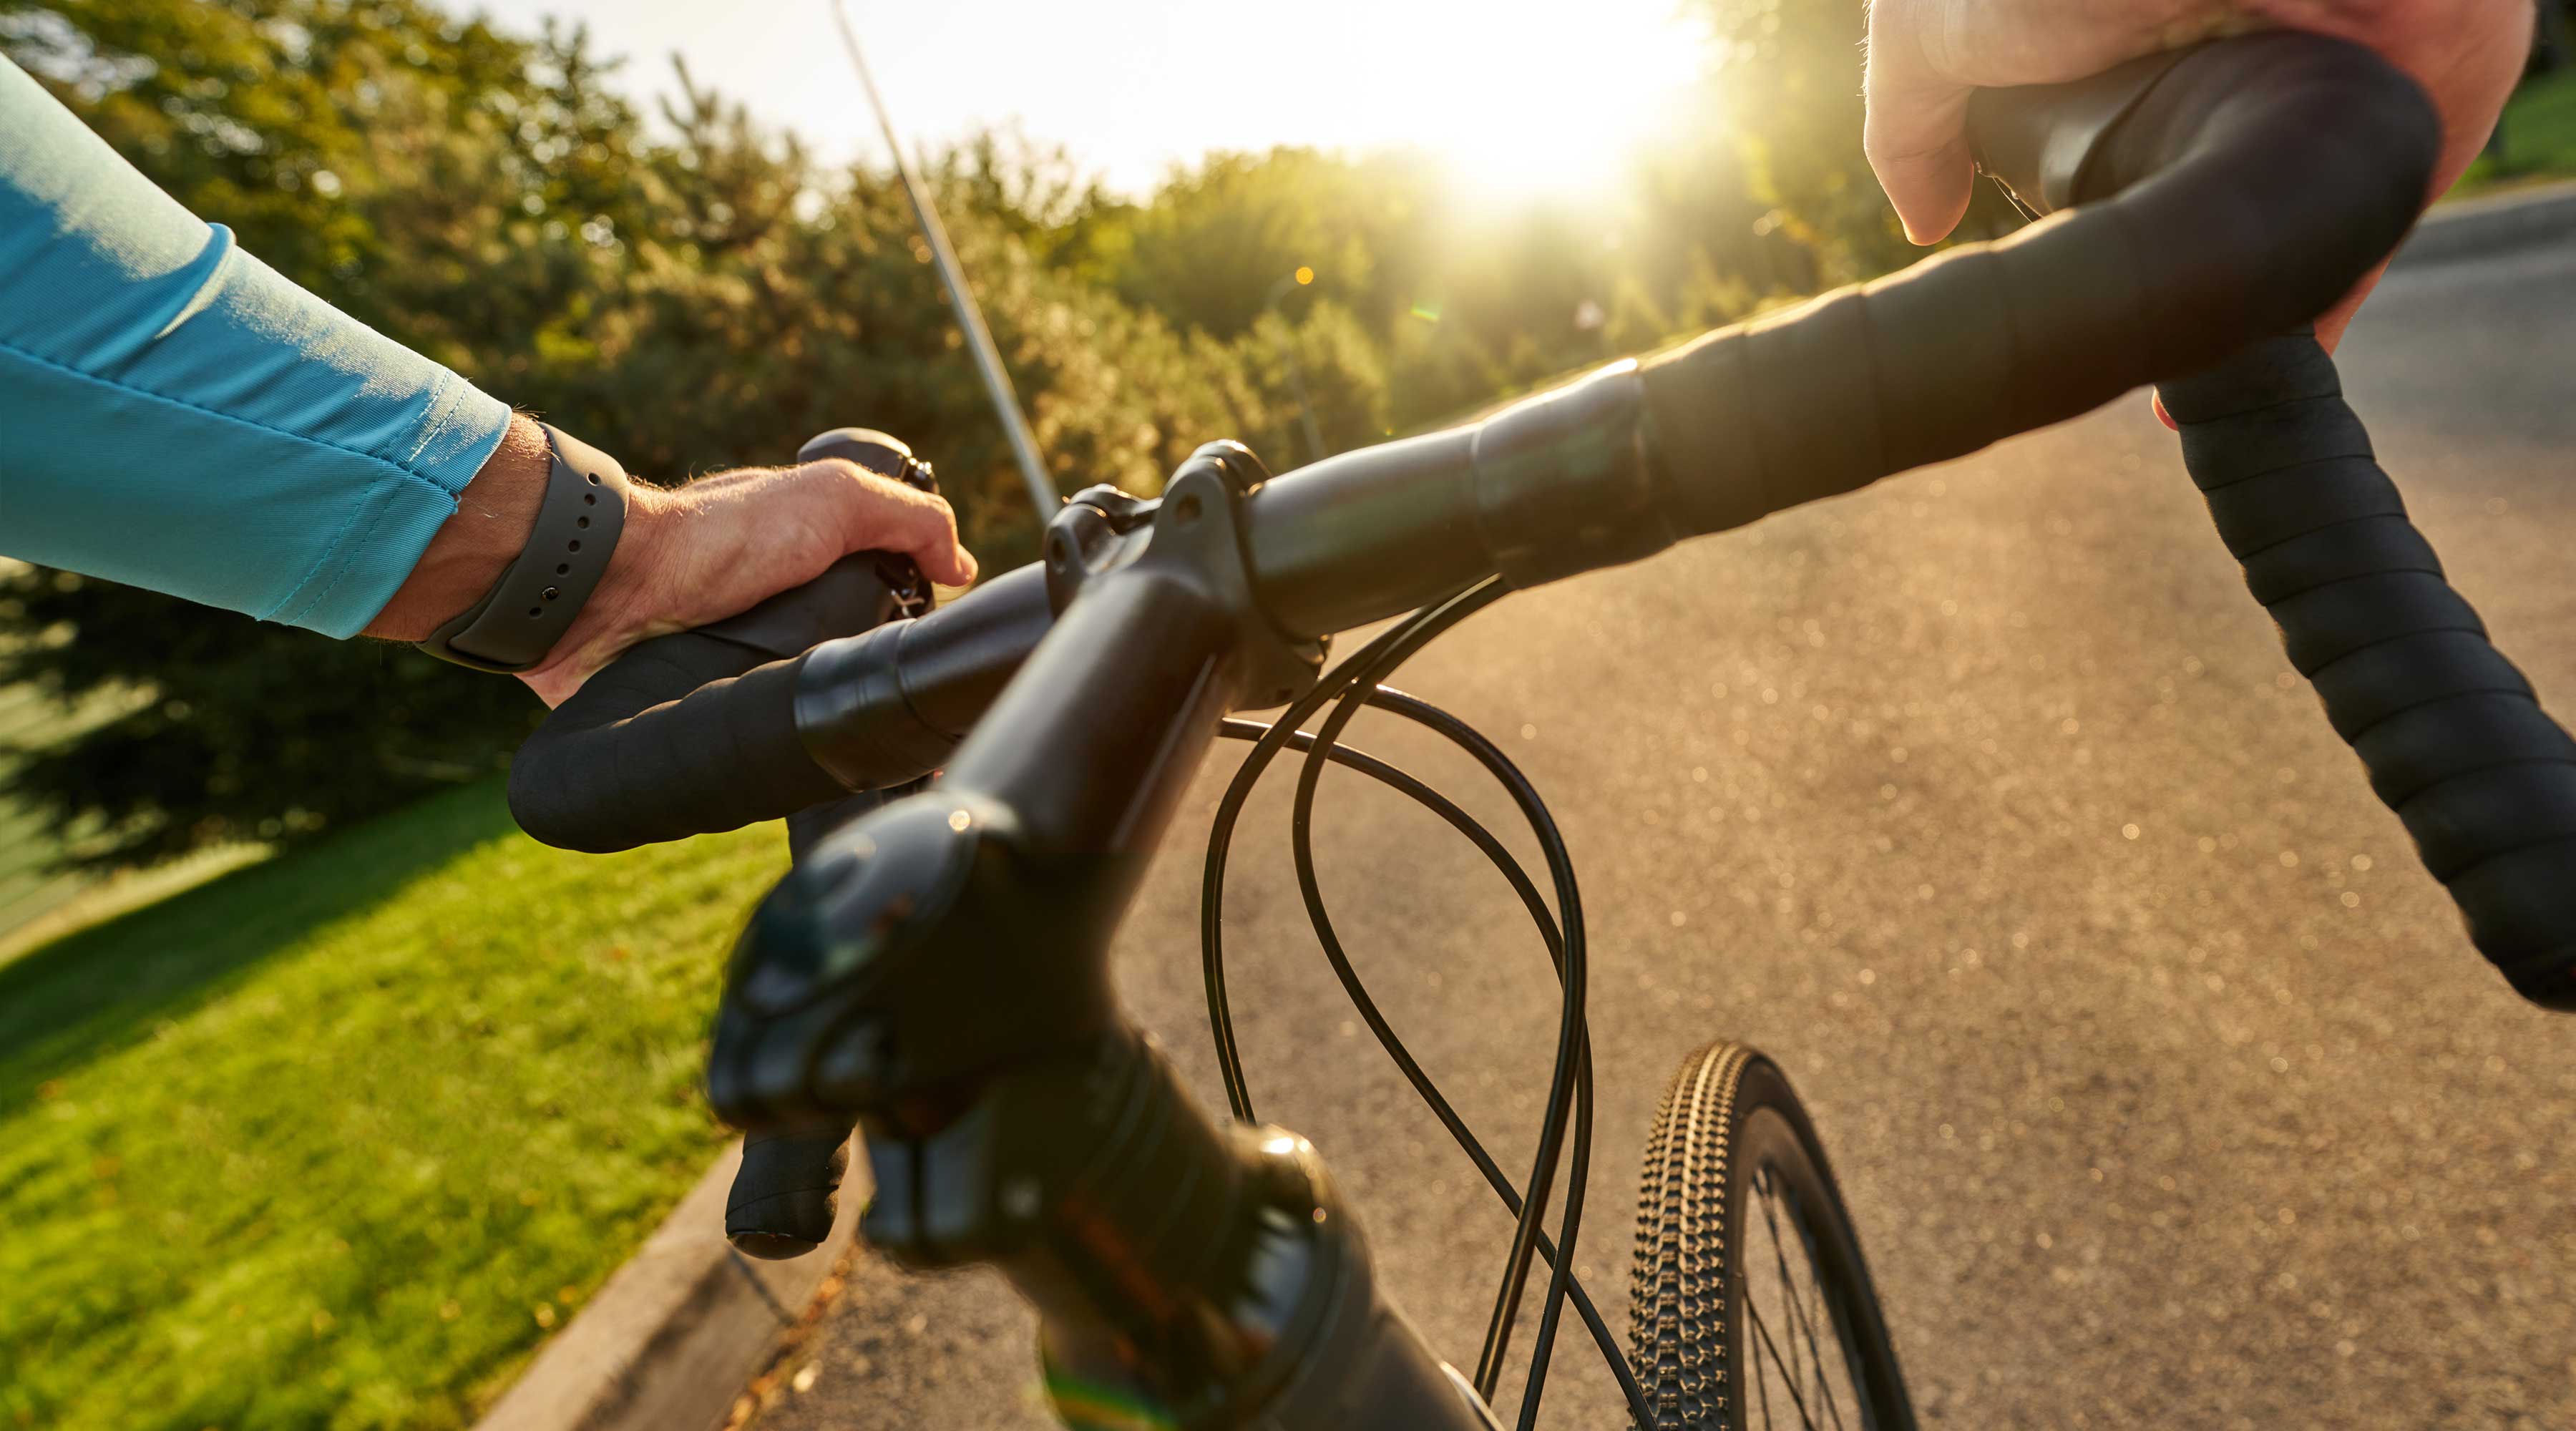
(1926, 55)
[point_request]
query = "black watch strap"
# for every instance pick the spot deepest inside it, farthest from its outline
(528, 610)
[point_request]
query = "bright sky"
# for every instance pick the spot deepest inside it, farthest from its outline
(1523, 96)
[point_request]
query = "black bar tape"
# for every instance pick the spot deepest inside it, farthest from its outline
(695, 732)
(2243, 189)
(2248, 188)
(2452, 735)
(612, 776)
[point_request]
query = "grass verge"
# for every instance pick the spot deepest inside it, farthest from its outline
(332, 1140)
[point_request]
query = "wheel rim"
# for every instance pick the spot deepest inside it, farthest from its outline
(1798, 1361)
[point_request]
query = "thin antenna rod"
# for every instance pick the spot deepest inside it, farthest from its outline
(979, 340)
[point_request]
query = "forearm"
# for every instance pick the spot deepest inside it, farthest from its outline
(180, 417)
(494, 515)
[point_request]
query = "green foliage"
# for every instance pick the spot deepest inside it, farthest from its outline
(694, 303)
(2536, 138)
(1790, 72)
(238, 730)
(1207, 250)
(331, 1141)
(1331, 358)
(1454, 300)
(701, 294)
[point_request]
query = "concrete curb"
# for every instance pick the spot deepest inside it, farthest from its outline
(680, 1330)
(2472, 228)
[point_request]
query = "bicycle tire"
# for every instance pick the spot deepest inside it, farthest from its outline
(1731, 1152)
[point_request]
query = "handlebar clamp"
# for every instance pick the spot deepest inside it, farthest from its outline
(1196, 526)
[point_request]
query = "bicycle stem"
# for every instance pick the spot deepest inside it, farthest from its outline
(940, 969)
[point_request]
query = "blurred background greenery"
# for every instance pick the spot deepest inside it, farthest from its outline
(334, 1140)
(702, 293)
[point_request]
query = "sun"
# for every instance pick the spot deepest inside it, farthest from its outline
(1522, 100)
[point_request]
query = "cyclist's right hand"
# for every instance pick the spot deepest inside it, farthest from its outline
(1926, 55)
(690, 556)
(726, 542)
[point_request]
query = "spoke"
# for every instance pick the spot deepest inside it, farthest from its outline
(1801, 1402)
(1801, 1319)
(1761, 1384)
(1766, 1187)
(1815, 1314)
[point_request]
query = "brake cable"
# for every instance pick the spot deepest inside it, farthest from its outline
(1348, 686)
(1489, 1362)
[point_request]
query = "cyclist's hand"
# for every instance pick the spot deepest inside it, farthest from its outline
(687, 557)
(726, 541)
(1925, 56)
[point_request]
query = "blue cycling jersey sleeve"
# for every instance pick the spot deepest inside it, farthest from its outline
(175, 414)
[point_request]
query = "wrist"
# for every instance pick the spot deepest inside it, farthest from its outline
(625, 599)
(630, 604)
(493, 517)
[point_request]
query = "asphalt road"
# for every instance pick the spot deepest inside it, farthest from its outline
(2161, 1081)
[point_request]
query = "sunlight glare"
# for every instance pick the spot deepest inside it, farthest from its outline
(1521, 99)
(1518, 99)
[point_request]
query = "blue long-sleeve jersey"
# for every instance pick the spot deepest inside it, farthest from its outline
(174, 414)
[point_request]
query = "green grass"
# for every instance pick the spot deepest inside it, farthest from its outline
(329, 1141)
(29, 884)
(2539, 130)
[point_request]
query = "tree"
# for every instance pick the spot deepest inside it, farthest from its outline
(699, 302)
(1339, 369)
(1790, 74)
(704, 295)
(435, 179)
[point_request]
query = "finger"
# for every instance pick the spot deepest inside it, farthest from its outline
(881, 514)
(1915, 134)
(930, 539)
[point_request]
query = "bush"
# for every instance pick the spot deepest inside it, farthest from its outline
(702, 302)
(705, 296)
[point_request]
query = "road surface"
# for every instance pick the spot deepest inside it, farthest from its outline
(2162, 1083)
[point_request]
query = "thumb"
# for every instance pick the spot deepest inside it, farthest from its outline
(1917, 144)
(1916, 130)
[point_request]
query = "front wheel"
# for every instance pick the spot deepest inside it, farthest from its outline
(1749, 1305)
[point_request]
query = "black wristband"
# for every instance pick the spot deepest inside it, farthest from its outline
(528, 610)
